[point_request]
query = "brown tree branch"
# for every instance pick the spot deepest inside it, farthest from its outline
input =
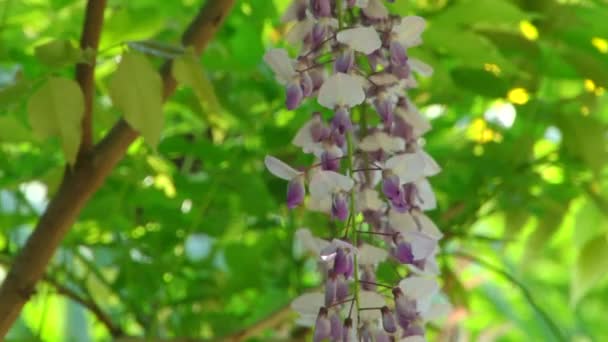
(84, 180)
(89, 304)
(85, 72)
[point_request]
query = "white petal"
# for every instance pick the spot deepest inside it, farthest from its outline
(419, 123)
(369, 299)
(375, 9)
(303, 138)
(422, 245)
(278, 60)
(408, 166)
(291, 13)
(382, 141)
(299, 30)
(402, 222)
(437, 311)
(371, 255)
(309, 303)
(341, 90)
(431, 167)
(325, 183)
(429, 227)
(368, 199)
(384, 79)
(319, 204)
(422, 289)
(409, 30)
(280, 169)
(329, 252)
(362, 39)
(425, 192)
(420, 67)
(416, 338)
(311, 243)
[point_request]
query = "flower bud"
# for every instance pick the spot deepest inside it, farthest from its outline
(320, 8)
(295, 192)
(341, 288)
(330, 289)
(306, 84)
(336, 327)
(339, 207)
(391, 188)
(341, 121)
(388, 320)
(294, 96)
(322, 326)
(344, 62)
(398, 54)
(330, 162)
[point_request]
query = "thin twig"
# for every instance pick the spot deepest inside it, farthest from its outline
(524, 290)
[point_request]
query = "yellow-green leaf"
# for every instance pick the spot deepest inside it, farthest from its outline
(591, 266)
(188, 72)
(56, 109)
(136, 89)
(58, 53)
(12, 130)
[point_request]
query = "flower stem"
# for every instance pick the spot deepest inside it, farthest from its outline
(351, 147)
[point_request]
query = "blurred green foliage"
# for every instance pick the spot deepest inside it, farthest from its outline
(193, 238)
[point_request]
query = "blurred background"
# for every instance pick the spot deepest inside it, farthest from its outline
(194, 239)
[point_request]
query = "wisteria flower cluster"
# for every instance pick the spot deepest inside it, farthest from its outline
(354, 60)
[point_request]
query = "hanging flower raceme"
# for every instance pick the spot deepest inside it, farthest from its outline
(372, 180)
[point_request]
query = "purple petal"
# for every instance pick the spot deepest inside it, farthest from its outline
(330, 290)
(388, 320)
(319, 131)
(318, 34)
(341, 289)
(339, 207)
(402, 129)
(340, 261)
(344, 62)
(330, 162)
(385, 110)
(404, 253)
(341, 121)
(294, 96)
(398, 54)
(322, 326)
(295, 192)
(306, 84)
(336, 327)
(405, 309)
(320, 8)
(391, 188)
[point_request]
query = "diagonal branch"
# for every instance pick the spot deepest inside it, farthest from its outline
(524, 290)
(88, 303)
(84, 180)
(85, 72)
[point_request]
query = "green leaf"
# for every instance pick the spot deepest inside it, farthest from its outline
(56, 109)
(480, 81)
(591, 266)
(136, 89)
(58, 52)
(187, 71)
(12, 130)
